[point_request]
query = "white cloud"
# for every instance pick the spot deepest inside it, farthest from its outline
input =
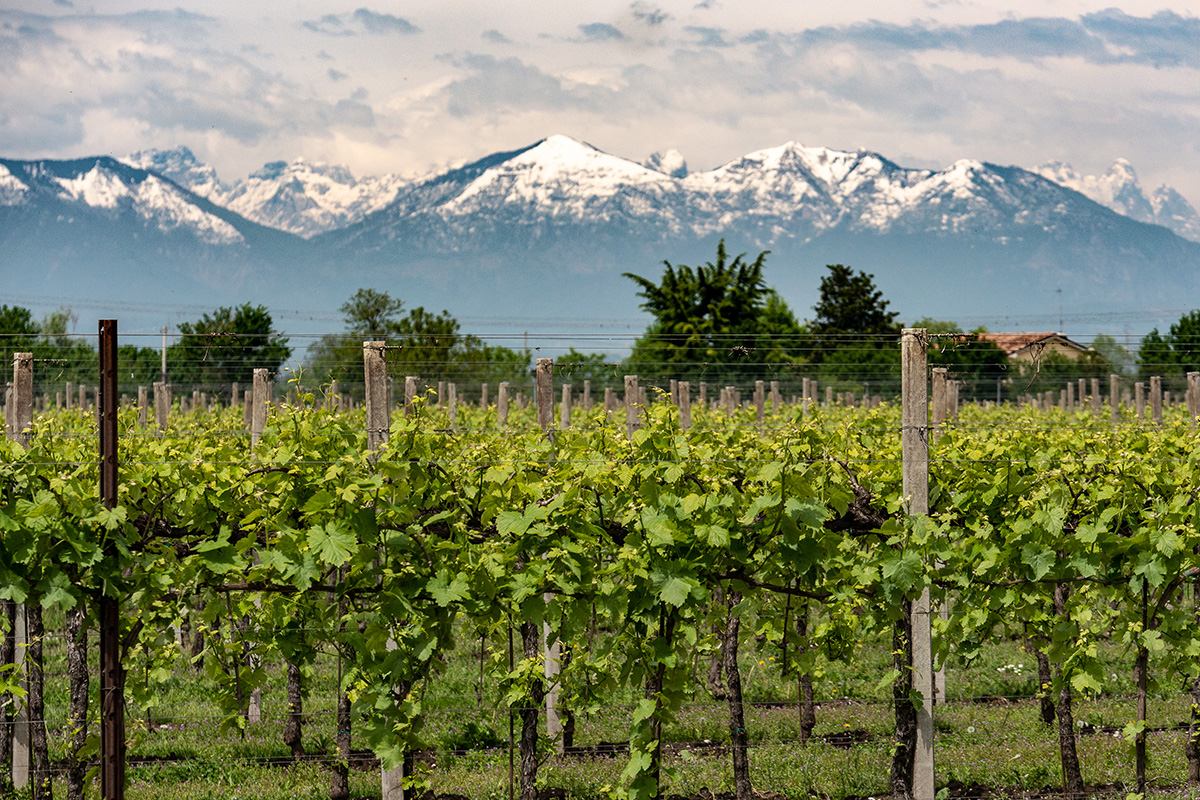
(930, 82)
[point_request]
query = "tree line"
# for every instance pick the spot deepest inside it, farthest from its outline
(719, 320)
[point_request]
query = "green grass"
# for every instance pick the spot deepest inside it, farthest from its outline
(983, 739)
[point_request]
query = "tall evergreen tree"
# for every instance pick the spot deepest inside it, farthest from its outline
(854, 334)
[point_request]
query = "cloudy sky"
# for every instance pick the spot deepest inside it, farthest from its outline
(415, 86)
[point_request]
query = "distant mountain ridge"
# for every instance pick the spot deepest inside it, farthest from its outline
(300, 197)
(1120, 190)
(560, 221)
(311, 198)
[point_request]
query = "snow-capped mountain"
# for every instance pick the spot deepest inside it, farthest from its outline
(181, 166)
(975, 233)
(94, 224)
(300, 197)
(113, 191)
(560, 221)
(1120, 190)
(786, 193)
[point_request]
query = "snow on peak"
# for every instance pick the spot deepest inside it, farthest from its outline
(561, 174)
(181, 166)
(13, 191)
(151, 199)
(308, 197)
(669, 163)
(1120, 190)
(98, 188)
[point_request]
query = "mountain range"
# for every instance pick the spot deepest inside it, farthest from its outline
(537, 238)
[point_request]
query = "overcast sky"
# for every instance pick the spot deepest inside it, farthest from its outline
(415, 86)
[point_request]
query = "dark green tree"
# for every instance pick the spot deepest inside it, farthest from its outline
(18, 334)
(1173, 355)
(720, 314)
(225, 346)
(850, 304)
(855, 336)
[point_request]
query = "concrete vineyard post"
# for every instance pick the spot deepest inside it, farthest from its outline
(915, 454)
(141, 405)
(1156, 399)
(631, 398)
(379, 413)
(685, 405)
(257, 407)
(502, 404)
(1114, 398)
(1193, 398)
(1139, 400)
(452, 404)
(258, 412)
(19, 416)
(587, 395)
(552, 649)
(564, 414)
(1095, 396)
(940, 386)
(379, 425)
(161, 405)
(483, 396)
(410, 395)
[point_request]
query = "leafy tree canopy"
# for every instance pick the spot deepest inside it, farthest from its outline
(1174, 354)
(226, 346)
(720, 312)
(421, 343)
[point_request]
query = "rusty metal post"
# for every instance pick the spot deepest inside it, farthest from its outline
(112, 674)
